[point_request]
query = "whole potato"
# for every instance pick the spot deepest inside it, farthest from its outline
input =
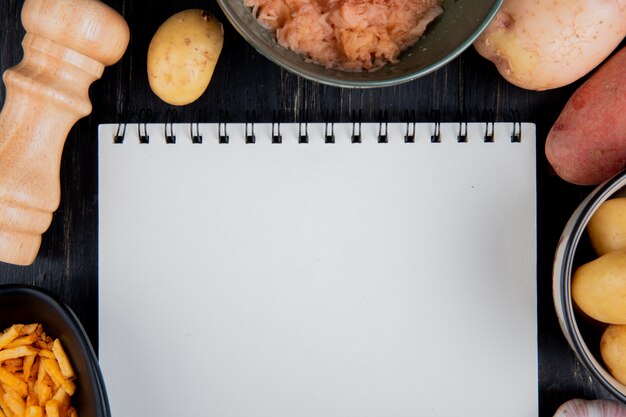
(182, 56)
(607, 227)
(599, 288)
(613, 351)
(544, 44)
(587, 143)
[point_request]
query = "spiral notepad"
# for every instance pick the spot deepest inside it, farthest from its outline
(322, 269)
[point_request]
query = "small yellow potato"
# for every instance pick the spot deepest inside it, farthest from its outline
(182, 56)
(599, 288)
(607, 227)
(545, 44)
(613, 351)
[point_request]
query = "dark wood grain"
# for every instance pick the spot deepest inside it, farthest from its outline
(246, 83)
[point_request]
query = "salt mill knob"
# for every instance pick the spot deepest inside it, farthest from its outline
(66, 47)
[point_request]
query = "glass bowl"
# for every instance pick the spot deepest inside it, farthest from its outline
(583, 333)
(454, 31)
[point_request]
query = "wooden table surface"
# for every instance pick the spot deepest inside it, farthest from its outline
(246, 85)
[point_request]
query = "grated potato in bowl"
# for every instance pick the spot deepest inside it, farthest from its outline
(351, 35)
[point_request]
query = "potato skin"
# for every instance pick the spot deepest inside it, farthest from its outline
(613, 351)
(182, 56)
(544, 44)
(607, 226)
(587, 143)
(599, 288)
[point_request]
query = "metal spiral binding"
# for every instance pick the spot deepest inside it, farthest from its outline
(303, 134)
(171, 116)
(145, 116)
(489, 116)
(143, 133)
(516, 136)
(249, 128)
(329, 127)
(409, 136)
(410, 132)
(250, 137)
(196, 136)
(119, 133)
(356, 128)
(222, 133)
(436, 136)
(170, 138)
(277, 137)
(329, 132)
(382, 128)
(194, 127)
(462, 136)
(489, 132)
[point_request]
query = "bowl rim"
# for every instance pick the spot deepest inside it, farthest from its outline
(563, 268)
(69, 316)
(252, 39)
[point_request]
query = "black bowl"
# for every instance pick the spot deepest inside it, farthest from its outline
(26, 304)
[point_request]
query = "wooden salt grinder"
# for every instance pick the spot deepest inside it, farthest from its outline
(67, 45)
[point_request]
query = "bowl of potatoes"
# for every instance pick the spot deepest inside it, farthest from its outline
(589, 283)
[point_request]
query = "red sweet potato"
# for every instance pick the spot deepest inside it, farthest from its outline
(587, 143)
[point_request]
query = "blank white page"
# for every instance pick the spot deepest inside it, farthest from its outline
(318, 280)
